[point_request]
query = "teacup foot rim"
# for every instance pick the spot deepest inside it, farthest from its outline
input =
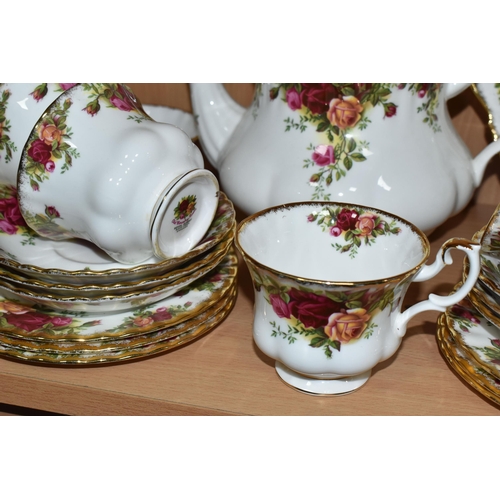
(321, 387)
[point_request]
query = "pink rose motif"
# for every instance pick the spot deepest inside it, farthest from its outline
(40, 152)
(66, 86)
(293, 99)
(125, 104)
(60, 321)
(366, 223)
(316, 96)
(323, 155)
(335, 231)
(50, 166)
(280, 307)
(7, 227)
(347, 219)
(310, 309)
(347, 325)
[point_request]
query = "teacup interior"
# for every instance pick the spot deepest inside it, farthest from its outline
(332, 242)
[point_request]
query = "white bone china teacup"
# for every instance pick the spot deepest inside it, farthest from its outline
(97, 167)
(329, 281)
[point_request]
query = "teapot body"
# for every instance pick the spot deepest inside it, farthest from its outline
(385, 145)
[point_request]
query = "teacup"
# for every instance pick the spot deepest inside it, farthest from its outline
(97, 167)
(330, 279)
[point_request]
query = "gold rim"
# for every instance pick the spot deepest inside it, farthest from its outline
(111, 344)
(287, 206)
(139, 294)
(127, 355)
(231, 270)
(113, 289)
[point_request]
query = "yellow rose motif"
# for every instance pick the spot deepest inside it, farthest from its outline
(49, 134)
(347, 325)
(13, 308)
(366, 223)
(345, 112)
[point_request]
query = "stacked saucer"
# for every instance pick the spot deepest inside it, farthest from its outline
(68, 302)
(469, 332)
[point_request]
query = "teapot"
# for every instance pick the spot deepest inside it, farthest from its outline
(389, 146)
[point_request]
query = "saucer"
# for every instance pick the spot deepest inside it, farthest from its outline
(108, 302)
(102, 357)
(77, 261)
(464, 366)
(21, 320)
(105, 346)
(181, 119)
(476, 336)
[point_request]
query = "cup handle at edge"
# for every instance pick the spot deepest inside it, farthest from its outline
(439, 302)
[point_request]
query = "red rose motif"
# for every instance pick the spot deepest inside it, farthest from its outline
(40, 152)
(390, 110)
(183, 206)
(293, 99)
(31, 321)
(323, 155)
(347, 219)
(52, 212)
(317, 96)
(9, 208)
(161, 314)
(310, 309)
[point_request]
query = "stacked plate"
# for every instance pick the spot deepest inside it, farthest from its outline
(67, 302)
(469, 332)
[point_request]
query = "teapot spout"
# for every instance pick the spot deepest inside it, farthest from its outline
(217, 115)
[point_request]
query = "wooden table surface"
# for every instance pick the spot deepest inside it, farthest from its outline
(224, 373)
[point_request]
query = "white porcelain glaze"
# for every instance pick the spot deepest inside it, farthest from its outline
(382, 145)
(96, 166)
(329, 283)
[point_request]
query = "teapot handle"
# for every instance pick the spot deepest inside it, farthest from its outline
(488, 95)
(439, 302)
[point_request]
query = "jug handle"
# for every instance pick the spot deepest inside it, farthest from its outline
(439, 302)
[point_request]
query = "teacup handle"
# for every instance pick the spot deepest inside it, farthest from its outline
(440, 302)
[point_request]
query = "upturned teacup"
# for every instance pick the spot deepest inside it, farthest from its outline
(97, 167)
(329, 280)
